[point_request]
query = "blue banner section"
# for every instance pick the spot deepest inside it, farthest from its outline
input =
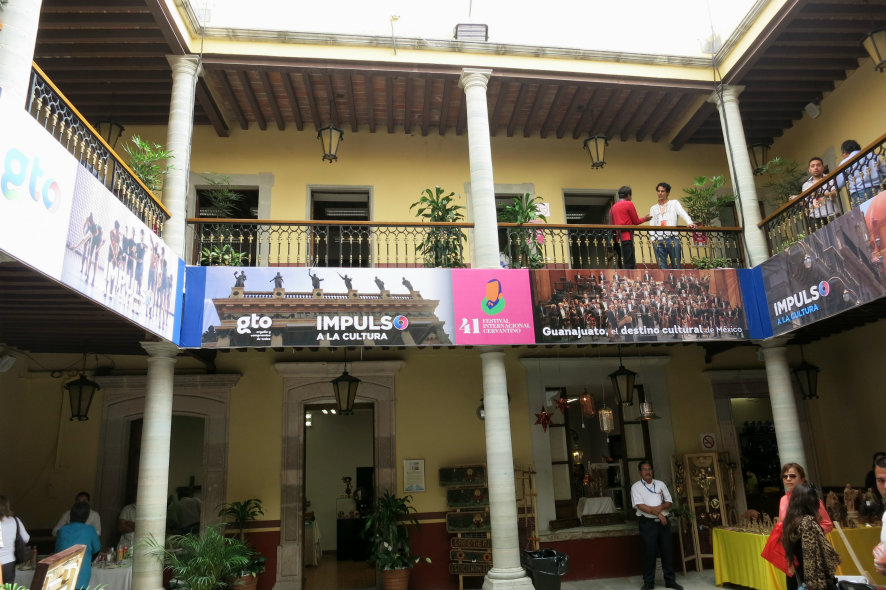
(192, 314)
(179, 302)
(759, 326)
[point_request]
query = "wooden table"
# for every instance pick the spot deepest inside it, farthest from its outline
(737, 557)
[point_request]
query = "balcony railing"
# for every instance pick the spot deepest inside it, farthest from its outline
(58, 116)
(247, 242)
(847, 187)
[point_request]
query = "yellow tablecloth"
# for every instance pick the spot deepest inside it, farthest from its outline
(737, 561)
(737, 558)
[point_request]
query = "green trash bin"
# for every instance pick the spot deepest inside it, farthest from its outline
(545, 566)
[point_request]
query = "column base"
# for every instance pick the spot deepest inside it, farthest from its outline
(507, 578)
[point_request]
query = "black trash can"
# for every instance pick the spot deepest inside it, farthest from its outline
(545, 567)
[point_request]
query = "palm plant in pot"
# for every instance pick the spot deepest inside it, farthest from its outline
(202, 562)
(238, 514)
(524, 244)
(442, 247)
(387, 527)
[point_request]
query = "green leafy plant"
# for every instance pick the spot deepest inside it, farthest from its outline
(147, 159)
(524, 244)
(387, 526)
(202, 562)
(709, 262)
(785, 244)
(239, 513)
(442, 246)
(220, 195)
(702, 201)
(783, 180)
(223, 255)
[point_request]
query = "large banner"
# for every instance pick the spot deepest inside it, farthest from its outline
(612, 306)
(838, 267)
(59, 219)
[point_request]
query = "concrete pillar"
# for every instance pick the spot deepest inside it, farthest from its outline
(153, 472)
(506, 571)
(20, 21)
(185, 69)
(726, 99)
(784, 403)
(485, 236)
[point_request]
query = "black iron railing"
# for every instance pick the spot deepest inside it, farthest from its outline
(847, 187)
(58, 116)
(245, 242)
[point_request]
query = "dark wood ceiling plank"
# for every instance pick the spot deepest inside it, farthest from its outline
(537, 104)
(370, 100)
(518, 106)
(211, 108)
(444, 105)
(587, 114)
(246, 88)
(289, 89)
(461, 122)
(553, 112)
(272, 100)
(426, 107)
(389, 102)
(644, 112)
(607, 112)
(578, 97)
(312, 99)
(223, 83)
(627, 111)
(351, 102)
(501, 100)
(409, 96)
(700, 116)
(334, 118)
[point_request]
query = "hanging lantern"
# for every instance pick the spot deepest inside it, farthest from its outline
(647, 412)
(595, 146)
(623, 383)
(607, 420)
(587, 405)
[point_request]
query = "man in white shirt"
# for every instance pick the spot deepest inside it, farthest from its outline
(652, 500)
(665, 213)
(865, 175)
(94, 519)
(822, 205)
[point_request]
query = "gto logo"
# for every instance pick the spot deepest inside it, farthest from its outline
(22, 176)
(247, 323)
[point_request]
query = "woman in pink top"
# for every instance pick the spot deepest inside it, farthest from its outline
(793, 474)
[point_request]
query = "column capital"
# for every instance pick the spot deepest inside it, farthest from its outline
(474, 77)
(777, 342)
(160, 349)
(728, 92)
(187, 64)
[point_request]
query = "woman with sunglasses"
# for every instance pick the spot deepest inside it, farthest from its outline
(792, 475)
(813, 560)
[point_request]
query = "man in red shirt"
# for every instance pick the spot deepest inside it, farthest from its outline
(623, 212)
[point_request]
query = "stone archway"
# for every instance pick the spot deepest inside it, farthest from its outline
(305, 383)
(202, 396)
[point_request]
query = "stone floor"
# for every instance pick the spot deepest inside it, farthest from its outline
(691, 581)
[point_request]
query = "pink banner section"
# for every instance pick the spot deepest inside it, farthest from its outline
(492, 307)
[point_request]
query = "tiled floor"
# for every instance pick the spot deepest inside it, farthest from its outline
(691, 581)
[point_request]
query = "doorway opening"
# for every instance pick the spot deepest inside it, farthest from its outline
(586, 249)
(760, 463)
(339, 489)
(340, 245)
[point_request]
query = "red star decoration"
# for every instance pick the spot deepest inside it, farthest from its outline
(562, 403)
(543, 418)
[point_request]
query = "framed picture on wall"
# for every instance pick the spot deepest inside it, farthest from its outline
(414, 475)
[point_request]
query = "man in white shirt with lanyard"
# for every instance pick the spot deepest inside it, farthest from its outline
(652, 500)
(665, 213)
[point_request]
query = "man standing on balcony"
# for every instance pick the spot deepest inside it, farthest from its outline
(865, 175)
(821, 203)
(665, 213)
(623, 212)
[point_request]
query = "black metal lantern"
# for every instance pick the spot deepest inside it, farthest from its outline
(81, 392)
(623, 383)
(345, 388)
(330, 137)
(759, 156)
(806, 375)
(875, 44)
(111, 131)
(596, 148)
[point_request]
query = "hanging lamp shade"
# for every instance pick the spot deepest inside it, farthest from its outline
(607, 419)
(595, 146)
(759, 156)
(587, 405)
(623, 384)
(81, 391)
(875, 44)
(111, 131)
(330, 138)
(806, 375)
(345, 388)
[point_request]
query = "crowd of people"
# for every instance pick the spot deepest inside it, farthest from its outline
(653, 301)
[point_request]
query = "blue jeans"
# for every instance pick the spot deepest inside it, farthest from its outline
(861, 195)
(668, 247)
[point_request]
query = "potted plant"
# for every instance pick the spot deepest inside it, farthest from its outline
(442, 246)
(239, 513)
(784, 180)
(221, 200)
(202, 562)
(222, 255)
(524, 244)
(710, 262)
(145, 160)
(387, 527)
(702, 201)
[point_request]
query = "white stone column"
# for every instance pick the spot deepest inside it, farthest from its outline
(20, 21)
(726, 99)
(485, 236)
(153, 471)
(506, 571)
(784, 403)
(185, 69)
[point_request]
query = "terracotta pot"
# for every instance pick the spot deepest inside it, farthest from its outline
(396, 579)
(247, 582)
